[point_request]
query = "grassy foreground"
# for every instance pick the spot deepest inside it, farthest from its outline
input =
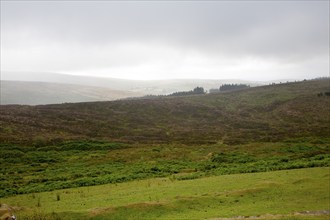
(286, 194)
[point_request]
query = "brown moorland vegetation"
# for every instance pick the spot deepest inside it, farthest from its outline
(267, 113)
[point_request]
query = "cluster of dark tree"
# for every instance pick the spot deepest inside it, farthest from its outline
(323, 94)
(195, 91)
(228, 87)
(322, 77)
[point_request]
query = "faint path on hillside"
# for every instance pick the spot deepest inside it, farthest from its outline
(276, 216)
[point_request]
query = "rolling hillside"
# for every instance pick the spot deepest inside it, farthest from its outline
(278, 127)
(268, 113)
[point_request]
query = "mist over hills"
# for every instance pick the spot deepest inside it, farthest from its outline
(33, 88)
(41, 93)
(146, 86)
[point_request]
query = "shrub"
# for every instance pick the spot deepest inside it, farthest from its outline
(40, 141)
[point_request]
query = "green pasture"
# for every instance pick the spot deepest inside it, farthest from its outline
(265, 194)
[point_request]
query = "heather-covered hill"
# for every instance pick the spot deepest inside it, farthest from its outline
(267, 113)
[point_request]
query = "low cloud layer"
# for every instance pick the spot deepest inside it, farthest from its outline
(157, 40)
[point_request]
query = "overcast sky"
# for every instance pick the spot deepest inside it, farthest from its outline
(250, 40)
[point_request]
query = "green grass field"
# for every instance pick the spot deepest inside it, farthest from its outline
(279, 193)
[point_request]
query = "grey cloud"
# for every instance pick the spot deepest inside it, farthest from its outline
(193, 23)
(293, 30)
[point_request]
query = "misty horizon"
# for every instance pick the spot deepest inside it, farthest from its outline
(26, 76)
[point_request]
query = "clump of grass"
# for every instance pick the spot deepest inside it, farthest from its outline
(39, 202)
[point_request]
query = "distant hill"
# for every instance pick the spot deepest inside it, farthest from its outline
(266, 113)
(146, 87)
(37, 93)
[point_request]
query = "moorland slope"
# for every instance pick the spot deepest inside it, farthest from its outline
(266, 113)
